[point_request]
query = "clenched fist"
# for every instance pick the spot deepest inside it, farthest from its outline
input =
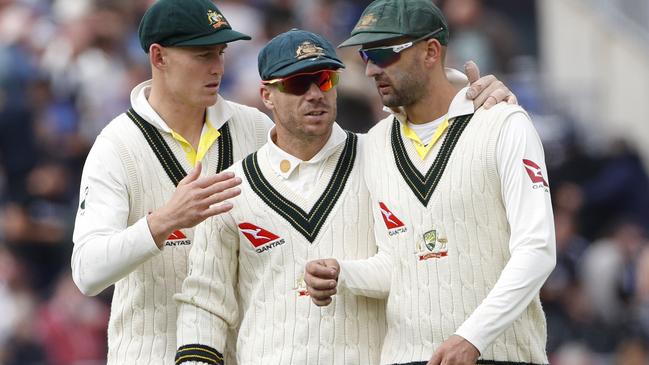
(321, 277)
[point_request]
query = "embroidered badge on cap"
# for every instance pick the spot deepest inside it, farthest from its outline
(307, 50)
(366, 21)
(216, 20)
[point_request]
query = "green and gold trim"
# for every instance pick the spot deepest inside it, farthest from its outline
(424, 186)
(308, 224)
(198, 353)
(166, 157)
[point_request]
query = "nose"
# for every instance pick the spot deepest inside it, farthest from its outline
(371, 69)
(314, 92)
(218, 66)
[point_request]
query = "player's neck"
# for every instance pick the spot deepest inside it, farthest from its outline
(301, 147)
(186, 120)
(433, 105)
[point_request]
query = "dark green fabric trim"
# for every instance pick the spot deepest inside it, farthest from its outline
(169, 162)
(307, 224)
(162, 151)
(424, 186)
(202, 353)
(226, 156)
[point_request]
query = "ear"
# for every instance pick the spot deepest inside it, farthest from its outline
(158, 56)
(434, 52)
(266, 97)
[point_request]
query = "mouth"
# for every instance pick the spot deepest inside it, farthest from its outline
(316, 113)
(383, 86)
(212, 85)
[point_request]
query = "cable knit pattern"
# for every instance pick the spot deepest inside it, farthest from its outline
(431, 293)
(142, 327)
(279, 325)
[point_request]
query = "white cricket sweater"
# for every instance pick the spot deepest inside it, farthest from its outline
(122, 181)
(461, 264)
(255, 256)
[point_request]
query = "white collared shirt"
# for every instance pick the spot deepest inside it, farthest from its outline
(300, 175)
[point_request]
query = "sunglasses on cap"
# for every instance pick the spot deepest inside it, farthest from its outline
(299, 84)
(387, 55)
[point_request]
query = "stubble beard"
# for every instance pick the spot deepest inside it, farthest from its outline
(409, 90)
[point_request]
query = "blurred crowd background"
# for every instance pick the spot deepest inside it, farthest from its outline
(67, 68)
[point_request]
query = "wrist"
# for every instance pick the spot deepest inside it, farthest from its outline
(159, 226)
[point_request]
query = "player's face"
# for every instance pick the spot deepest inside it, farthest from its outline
(194, 73)
(401, 82)
(306, 109)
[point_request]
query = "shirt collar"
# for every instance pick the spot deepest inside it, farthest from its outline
(276, 155)
(460, 105)
(217, 114)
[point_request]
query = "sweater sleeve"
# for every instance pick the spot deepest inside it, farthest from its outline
(369, 277)
(207, 303)
(105, 248)
(521, 167)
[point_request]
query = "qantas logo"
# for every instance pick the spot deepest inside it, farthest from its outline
(535, 174)
(392, 223)
(177, 238)
(261, 239)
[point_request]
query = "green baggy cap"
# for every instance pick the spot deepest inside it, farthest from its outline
(296, 51)
(389, 19)
(185, 23)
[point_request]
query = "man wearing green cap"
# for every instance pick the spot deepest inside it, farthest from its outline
(302, 197)
(461, 203)
(152, 175)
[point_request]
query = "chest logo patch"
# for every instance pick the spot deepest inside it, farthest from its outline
(433, 247)
(261, 239)
(392, 223)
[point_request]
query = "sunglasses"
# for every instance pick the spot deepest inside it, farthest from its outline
(299, 84)
(387, 55)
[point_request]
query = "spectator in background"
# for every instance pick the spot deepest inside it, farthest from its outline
(479, 34)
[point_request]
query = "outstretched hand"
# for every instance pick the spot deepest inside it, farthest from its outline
(196, 198)
(487, 90)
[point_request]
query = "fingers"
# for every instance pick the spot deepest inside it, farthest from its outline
(511, 99)
(477, 88)
(325, 268)
(491, 88)
(496, 96)
(472, 71)
(321, 278)
(217, 209)
(219, 188)
(193, 175)
(222, 196)
(436, 359)
(207, 181)
(321, 286)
